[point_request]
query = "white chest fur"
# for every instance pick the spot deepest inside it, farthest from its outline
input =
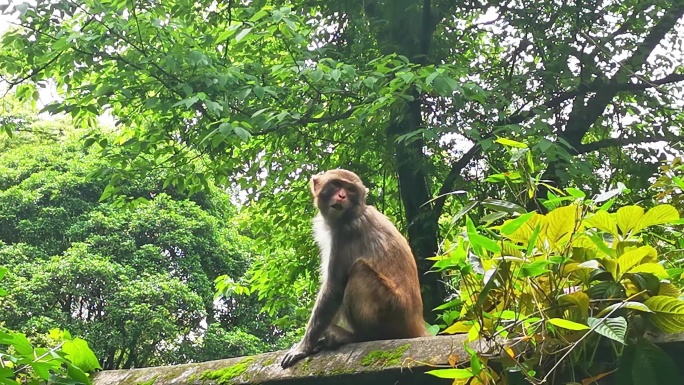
(322, 236)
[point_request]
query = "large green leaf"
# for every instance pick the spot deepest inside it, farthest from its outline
(602, 221)
(80, 354)
(644, 363)
(669, 313)
(561, 223)
(632, 258)
(628, 217)
(658, 215)
(613, 328)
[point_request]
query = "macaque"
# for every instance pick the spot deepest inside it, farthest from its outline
(369, 276)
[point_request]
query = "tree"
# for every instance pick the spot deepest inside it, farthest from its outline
(136, 281)
(387, 89)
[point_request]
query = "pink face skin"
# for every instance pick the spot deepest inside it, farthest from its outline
(336, 196)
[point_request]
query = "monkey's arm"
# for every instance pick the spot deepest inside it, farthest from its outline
(326, 307)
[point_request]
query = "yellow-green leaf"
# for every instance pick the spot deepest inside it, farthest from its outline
(450, 373)
(669, 290)
(459, 327)
(510, 143)
(657, 216)
(654, 268)
(561, 223)
(632, 258)
(669, 313)
(628, 217)
(524, 233)
(580, 299)
(474, 332)
(602, 221)
(565, 324)
(639, 306)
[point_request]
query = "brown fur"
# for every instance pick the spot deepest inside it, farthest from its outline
(370, 279)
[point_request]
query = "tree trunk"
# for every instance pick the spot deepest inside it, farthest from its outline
(414, 190)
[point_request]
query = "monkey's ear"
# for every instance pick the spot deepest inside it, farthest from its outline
(315, 184)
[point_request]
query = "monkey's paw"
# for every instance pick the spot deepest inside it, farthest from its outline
(295, 354)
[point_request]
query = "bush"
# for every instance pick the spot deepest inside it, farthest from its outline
(569, 294)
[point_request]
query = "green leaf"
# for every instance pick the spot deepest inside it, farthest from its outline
(658, 215)
(242, 95)
(606, 290)
(464, 210)
(79, 353)
(259, 92)
(579, 299)
(575, 193)
(433, 329)
(633, 305)
(510, 143)
(451, 373)
(602, 221)
(242, 133)
(645, 363)
(510, 226)
(669, 313)
(565, 324)
(42, 369)
(633, 258)
(653, 268)
(535, 268)
(499, 205)
(613, 328)
(317, 75)
(486, 243)
(21, 344)
(561, 223)
(628, 217)
(242, 34)
(77, 374)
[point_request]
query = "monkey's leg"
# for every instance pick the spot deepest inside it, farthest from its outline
(335, 337)
(325, 310)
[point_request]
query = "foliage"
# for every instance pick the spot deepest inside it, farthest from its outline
(137, 280)
(583, 282)
(66, 362)
(411, 95)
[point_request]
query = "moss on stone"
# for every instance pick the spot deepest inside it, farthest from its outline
(381, 358)
(269, 361)
(305, 364)
(150, 382)
(225, 376)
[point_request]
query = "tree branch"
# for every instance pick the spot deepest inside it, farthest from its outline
(596, 85)
(449, 181)
(621, 142)
(584, 115)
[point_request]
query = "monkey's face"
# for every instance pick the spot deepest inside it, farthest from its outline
(337, 196)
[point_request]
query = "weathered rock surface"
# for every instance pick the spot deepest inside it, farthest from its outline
(394, 362)
(400, 362)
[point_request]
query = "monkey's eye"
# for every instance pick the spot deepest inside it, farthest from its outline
(336, 183)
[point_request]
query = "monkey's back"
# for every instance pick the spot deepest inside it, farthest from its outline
(382, 298)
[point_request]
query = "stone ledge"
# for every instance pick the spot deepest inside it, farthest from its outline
(401, 362)
(392, 362)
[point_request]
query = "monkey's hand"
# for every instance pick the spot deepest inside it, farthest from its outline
(295, 354)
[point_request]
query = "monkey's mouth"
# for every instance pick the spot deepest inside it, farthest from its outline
(336, 206)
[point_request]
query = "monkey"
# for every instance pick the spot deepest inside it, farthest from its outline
(369, 275)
